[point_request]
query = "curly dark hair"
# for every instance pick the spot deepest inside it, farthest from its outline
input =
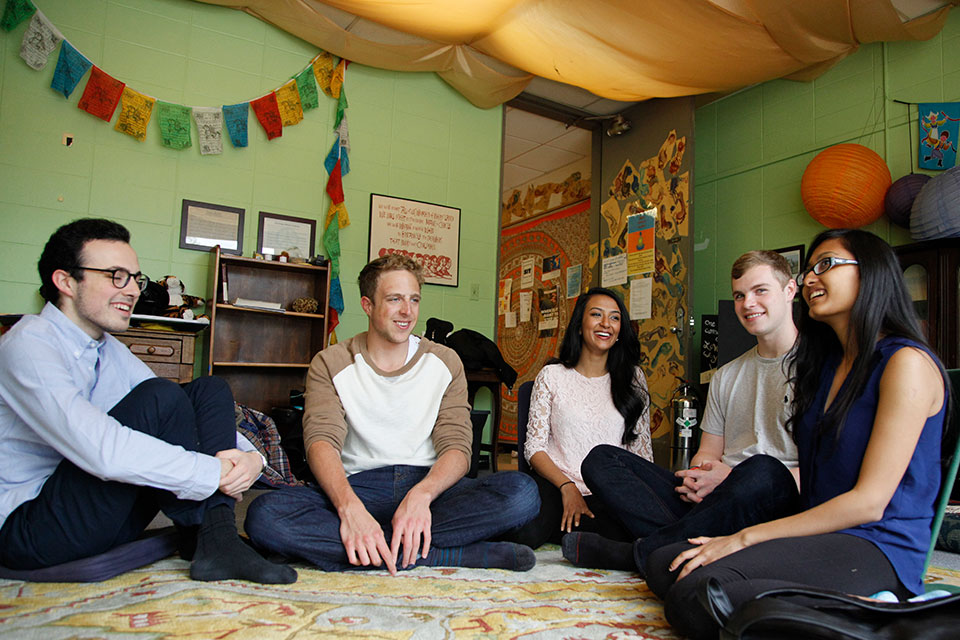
(64, 247)
(622, 360)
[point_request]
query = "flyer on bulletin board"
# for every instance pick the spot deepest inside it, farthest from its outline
(526, 303)
(641, 298)
(640, 242)
(574, 279)
(613, 271)
(526, 272)
(506, 286)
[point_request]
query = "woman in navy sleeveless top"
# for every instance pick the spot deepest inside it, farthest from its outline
(868, 417)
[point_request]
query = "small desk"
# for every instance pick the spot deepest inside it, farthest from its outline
(475, 381)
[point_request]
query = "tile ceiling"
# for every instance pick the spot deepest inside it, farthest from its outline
(534, 145)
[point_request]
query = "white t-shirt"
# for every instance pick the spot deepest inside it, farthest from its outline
(748, 405)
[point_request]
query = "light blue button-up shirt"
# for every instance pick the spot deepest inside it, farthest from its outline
(56, 386)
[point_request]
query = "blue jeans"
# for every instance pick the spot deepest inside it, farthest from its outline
(643, 497)
(78, 515)
(302, 523)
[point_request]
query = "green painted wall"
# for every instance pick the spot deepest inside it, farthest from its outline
(412, 136)
(752, 148)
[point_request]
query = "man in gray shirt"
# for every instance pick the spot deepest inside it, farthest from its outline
(745, 470)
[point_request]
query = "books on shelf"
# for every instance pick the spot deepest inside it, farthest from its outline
(223, 283)
(262, 305)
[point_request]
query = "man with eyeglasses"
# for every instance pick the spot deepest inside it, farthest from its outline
(94, 444)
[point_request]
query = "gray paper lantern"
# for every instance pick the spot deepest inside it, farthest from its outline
(900, 197)
(936, 210)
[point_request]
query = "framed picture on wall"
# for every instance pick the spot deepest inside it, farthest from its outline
(277, 233)
(204, 225)
(428, 233)
(794, 256)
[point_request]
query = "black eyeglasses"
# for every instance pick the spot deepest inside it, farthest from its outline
(823, 265)
(121, 277)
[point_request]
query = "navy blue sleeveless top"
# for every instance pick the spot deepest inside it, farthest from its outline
(829, 467)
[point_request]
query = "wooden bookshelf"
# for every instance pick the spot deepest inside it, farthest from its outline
(263, 354)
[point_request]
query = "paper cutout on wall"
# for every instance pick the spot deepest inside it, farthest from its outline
(307, 88)
(268, 115)
(335, 184)
(344, 132)
(236, 115)
(288, 102)
(341, 107)
(15, 12)
(39, 42)
(209, 129)
(71, 65)
(101, 95)
(340, 211)
(939, 124)
(135, 111)
(174, 121)
(336, 79)
(337, 152)
(323, 66)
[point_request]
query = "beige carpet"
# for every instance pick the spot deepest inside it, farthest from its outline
(554, 600)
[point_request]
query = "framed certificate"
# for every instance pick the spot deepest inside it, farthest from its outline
(277, 233)
(204, 225)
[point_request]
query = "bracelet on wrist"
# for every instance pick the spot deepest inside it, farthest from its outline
(565, 484)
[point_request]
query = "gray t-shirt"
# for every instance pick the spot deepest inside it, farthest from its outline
(748, 404)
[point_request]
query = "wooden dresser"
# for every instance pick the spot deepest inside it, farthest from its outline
(168, 353)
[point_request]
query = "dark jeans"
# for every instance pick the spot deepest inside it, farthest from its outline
(302, 523)
(77, 515)
(643, 497)
(836, 561)
(546, 526)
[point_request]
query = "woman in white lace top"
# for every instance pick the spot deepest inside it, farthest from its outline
(594, 393)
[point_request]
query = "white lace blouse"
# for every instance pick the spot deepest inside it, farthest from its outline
(570, 414)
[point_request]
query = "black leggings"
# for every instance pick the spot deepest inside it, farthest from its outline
(545, 527)
(837, 561)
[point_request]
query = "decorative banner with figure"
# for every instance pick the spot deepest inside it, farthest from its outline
(939, 124)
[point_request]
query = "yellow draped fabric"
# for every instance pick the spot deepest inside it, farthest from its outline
(625, 50)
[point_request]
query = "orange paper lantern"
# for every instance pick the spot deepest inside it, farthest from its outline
(844, 186)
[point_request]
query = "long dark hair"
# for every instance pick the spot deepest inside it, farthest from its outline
(629, 398)
(883, 307)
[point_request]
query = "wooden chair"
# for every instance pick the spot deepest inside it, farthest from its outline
(523, 415)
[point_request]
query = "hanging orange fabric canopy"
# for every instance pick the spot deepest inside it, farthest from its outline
(626, 50)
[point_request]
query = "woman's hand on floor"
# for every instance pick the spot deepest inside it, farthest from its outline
(574, 506)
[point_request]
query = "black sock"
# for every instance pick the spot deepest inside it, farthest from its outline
(482, 555)
(591, 550)
(222, 555)
(187, 541)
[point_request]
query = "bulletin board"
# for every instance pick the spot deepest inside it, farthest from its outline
(556, 246)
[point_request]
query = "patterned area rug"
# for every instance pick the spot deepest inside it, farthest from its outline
(554, 600)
